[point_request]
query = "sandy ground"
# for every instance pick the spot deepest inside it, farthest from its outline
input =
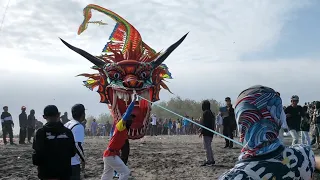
(160, 157)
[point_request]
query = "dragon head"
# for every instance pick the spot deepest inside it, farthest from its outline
(128, 66)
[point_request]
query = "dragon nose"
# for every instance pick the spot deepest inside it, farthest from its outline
(131, 81)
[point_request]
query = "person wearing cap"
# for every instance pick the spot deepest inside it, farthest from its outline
(7, 125)
(112, 161)
(229, 123)
(263, 156)
(31, 125)
(53, 147)
(23, 118)
(294, 113)
(75, 125)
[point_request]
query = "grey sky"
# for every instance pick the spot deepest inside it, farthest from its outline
(37, 69)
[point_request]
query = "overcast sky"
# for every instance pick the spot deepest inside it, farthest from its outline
(231, 46)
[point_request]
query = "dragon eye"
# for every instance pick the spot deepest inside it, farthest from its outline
(144, 75)
(115, 75)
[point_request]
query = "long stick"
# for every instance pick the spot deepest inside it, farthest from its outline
(194, 122)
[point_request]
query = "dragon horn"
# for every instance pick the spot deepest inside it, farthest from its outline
(164, 55)
(85, 54)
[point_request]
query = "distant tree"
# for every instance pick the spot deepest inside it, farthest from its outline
(183, 107)
(104, 118)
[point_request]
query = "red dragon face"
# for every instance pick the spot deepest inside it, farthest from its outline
(128, 66)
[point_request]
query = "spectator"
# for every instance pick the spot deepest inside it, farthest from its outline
(208, 120)
(53, 147)
(94, 126)
(229, 124)
(31, 125)
(7, 125)
(78, 114)
(23, 120)
(263, 156)
(219, 126)
(294, 113)
(154, 125)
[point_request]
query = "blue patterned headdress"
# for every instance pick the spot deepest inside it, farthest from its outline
(258, 113)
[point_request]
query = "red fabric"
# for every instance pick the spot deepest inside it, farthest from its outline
(116, 142)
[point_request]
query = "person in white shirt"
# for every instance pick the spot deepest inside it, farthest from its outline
(219, 126)
(154, 125)
(78, 114)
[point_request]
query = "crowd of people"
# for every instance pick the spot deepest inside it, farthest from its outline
(258, 116)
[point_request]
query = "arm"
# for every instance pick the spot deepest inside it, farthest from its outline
(20, 120)
(78, 132)
(73, 149)
(38, 147)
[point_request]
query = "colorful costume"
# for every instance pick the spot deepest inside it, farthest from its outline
(127, 65)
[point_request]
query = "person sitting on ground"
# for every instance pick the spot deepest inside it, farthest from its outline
(207, 120)
(258, 115)
(53, 147)
(112, 161)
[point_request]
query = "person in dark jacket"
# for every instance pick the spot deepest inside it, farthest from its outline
(54, 147)
(294, 113)
(7, 125)
(229, 123)
(23, 118)
(31, 125)
(207, 120)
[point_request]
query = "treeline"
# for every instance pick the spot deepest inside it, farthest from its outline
(178, 105)
(183, 107)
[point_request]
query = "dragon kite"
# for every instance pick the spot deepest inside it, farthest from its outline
(126, 65)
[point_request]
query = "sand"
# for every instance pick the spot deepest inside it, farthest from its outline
(158, 157)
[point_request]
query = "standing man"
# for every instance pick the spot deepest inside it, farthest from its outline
(53, 147)
(7, 125)
(78, 114)
(23, 120)
(229, 123)
(31, 125)
(94, 126)
(294, 113)
(154, 125)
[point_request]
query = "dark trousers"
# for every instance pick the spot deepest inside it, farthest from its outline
(30, 133)
(75, 172)
(125, 150)
(154, 130)
(22, 134)
(228, 131)
(7, 129)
